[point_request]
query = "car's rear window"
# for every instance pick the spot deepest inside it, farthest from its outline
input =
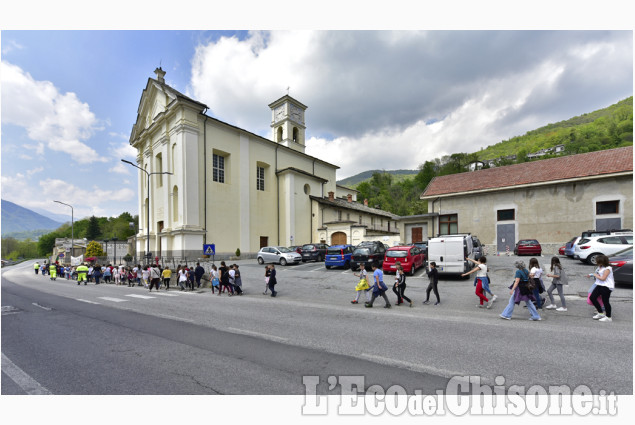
(362, 251)
(397, 254)
(307, 247)
(334, 251)
(583, 241)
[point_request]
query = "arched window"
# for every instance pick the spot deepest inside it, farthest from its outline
(175, 204)
(279, 134)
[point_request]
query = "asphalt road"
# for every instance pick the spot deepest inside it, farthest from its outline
(106, 339)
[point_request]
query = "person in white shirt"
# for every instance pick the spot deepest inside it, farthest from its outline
(481, 281)
(605, 283)
(536, 272)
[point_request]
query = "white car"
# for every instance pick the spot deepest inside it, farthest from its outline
(588, 249)
(278, 254)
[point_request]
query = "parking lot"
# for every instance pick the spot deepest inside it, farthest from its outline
(312, 282)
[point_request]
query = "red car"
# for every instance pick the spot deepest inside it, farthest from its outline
(410, 257)
(561, 250)
(528, 247)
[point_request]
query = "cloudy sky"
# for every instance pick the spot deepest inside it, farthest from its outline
(377, 99)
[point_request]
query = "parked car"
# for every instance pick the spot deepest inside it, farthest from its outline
(366, 253)
(527, 247)
(410, 257)
(588, 249)
(296, 248)
(590, 233)
(569, 248)
(339, 256)
(278, 254)
(622, 264)
(561, 250)
(478, 248)
(314, 252)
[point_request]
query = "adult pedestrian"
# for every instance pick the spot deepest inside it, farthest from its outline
(155, 277)
(166, 274)
(400, 284)
(535, 271)
(199, 271)
(107, 274)
(433, 275)
(557, 273)
(36, 267)
(82, 274)
(379, 287)
(362, 285)
(481, 280)
(604, 285)
(223, 271)
(519, 291)
(53, 271)
(273, 281)
(238, 282)
(97, 273)
(145, 275)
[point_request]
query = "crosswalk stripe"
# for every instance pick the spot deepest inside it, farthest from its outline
(145, 297)
(165, 294)
(116, 300)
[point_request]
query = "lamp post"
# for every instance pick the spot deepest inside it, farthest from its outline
(114, 241)
(147, 206)
(72, 229)
(133, 225)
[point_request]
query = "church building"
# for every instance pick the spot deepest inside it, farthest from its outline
(234, 189)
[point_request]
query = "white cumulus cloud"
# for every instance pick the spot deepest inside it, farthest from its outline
(59, 120)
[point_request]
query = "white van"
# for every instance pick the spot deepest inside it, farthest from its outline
(449, 252)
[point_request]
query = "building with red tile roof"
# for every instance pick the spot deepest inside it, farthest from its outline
(550, 200)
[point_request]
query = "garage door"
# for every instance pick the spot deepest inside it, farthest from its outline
(417, 234)
(338, 238)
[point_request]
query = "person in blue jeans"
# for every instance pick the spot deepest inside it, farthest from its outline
(519, 292)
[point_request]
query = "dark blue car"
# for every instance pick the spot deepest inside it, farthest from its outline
(338, 256)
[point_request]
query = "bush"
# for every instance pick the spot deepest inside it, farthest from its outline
(237, 252)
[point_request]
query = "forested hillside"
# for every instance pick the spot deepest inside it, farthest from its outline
(606, 128)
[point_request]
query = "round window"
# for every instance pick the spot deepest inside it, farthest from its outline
(307, 189)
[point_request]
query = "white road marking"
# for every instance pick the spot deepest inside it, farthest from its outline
(165, 294)
(318, 269)
(9, 309)
(417, 367)
(257, 334)
(167, 316)
(24, 381)
(145, 297)
(42, 307)
(86, 301)
(116, 300)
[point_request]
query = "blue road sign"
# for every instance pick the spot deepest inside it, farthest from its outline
(209, 249)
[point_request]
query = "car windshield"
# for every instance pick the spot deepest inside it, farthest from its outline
(334, 251)
(283, 249)
(624, 252)
(397, 254)
(361, 251)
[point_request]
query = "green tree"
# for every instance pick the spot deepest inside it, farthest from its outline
(93, 231)
(46, 243)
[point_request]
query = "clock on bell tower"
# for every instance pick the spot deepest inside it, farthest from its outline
(287, 122)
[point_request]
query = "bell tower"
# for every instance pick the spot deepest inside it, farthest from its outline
(287, 122)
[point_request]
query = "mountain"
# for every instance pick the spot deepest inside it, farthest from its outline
(56, 217)
(358, 178)
(19, 219)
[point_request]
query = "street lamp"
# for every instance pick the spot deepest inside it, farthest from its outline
(114, 240)
(72, 230)
(147, 205)
(133, 225)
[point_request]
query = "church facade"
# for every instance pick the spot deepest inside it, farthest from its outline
(235, 189)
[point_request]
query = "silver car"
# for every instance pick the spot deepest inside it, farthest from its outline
(278, 254)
